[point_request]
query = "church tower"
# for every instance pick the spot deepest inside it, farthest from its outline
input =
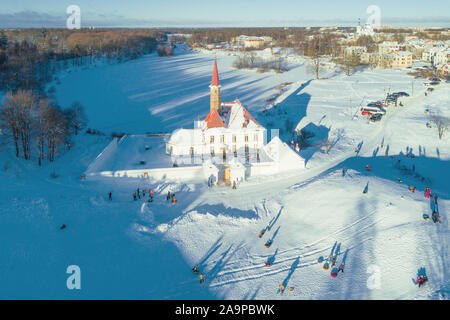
(215, 89)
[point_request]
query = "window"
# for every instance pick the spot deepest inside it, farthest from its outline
(246, 138)
(234, 138)
(235, 151)
(224, 154)
(256, 136)
(211, 139)
(171, 150)
(222, 139)
(212, 151)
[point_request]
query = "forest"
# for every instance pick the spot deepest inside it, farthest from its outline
(32, 122)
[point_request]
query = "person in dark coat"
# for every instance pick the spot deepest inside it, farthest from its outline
(110, 195)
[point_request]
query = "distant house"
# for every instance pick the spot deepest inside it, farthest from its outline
(441, 57)
(252, 42)
(436, 55)
(369, 58)
(443, 69)
(401, 59)
(354, 50)
(388, 47)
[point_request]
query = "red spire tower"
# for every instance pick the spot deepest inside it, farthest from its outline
(215, 89)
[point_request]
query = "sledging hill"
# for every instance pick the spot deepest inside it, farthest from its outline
(135, 249)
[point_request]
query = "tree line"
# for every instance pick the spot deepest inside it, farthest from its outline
(30, 57)
(251, 61)
(38, 125)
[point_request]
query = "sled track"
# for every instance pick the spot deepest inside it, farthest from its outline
(281, 260)
(278, 270)
(337, 232)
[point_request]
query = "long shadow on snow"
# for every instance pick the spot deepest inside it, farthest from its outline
(220, 209)
(292, 109)
(352, 284)
(312, 135)
(429, 172)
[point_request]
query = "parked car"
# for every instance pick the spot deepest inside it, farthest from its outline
(430, 89)
(391, 99)
(375, 104)
(372, 110)
(402, 94)
(434, 83)
(376, 117)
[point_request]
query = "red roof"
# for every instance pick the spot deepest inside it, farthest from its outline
(248, 117)
(215, 77)
(213, 120)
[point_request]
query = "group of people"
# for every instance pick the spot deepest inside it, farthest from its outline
(137, 194)
(197, 271)
(171, 195)
(142, 193)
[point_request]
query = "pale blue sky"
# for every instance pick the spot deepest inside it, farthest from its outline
(222, 13)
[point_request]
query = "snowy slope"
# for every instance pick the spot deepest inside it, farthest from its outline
(134, 249)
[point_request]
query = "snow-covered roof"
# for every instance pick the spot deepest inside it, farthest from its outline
(187, 137)
(238, 117)
(287, 158)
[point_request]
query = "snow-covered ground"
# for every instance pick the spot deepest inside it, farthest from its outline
(135, 249)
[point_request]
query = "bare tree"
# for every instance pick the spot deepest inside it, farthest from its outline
(349, 63)
(441, 123)
(76, 117)
(17, 118)
(40, 127)
(10, 120)
(55, 130)
(316, 65)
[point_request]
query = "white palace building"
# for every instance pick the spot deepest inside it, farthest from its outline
(228, 146)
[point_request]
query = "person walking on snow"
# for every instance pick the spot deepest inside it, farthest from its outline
(143, 192)
(134, 196)
(421, 280)
(427, 193)
(151, 192)
(281, 289)
(341, 268)
(110, 195)
(168, 196)
(202, 278)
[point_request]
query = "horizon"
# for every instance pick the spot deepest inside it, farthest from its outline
(23, 14)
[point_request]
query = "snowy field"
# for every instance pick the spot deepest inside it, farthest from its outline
(133, 249)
